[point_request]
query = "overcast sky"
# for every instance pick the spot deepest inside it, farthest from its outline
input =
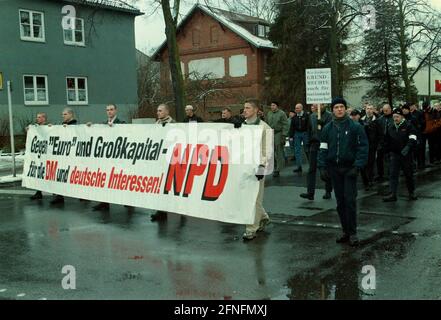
(149, 29)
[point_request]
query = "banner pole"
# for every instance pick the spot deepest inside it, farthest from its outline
(11, 129)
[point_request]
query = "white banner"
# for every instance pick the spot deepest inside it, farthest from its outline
(318, 86)
(201, 170)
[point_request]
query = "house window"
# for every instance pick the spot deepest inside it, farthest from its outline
(76, 90)
(196, 38)
(35, 90)
(261, 30)
(214, 35)
(74, 34)
(238, 66)
(32, 25)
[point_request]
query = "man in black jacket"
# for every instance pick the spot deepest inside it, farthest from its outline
(344, 151)
(314, 132)
(373, 133)
(420, 126)
(401, 138)
(68, 120)
(298, 132)
(112, 118)
(384, 121)
(191, 116)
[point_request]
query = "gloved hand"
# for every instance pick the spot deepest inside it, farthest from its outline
(353, 172)
(259, 173)
(405, 151)
(324, 174)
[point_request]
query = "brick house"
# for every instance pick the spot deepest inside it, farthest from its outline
(224, 52)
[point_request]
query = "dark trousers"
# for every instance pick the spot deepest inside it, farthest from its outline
(345, 189)
(367, 173)
(312, 172)
(398, 162)
(380, 163)
(422, 152)
(433, 147)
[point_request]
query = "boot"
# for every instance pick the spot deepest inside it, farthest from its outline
(57, 200)
(308, 196)
(391, 198)
(158, 216)
(412, 197)
(37, 196)
(101, 206)
(298, 170)
(327, 196)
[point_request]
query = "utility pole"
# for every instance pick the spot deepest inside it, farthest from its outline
(11, 129)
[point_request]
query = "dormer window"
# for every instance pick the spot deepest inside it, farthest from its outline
(262, 31)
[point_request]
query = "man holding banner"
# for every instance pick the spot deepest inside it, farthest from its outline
(112, 118)
(251, 110)
(68, 120)
(40, 121)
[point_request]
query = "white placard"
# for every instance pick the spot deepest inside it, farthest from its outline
(318, 86)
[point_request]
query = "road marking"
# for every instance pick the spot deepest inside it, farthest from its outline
(43, 299)
(21, 295)
(374, 230)
(395, 232)
(415, 234)
(2, 290)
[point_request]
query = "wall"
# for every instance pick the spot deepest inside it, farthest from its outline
(108, 60)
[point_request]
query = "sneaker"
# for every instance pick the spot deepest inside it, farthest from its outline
(412, 197)
(391, 198)
(101, 206)
(263, 224)
(307, 196)
(342, 239)
(298, 170)
(37, 196)
(327, 196)
(57, 200)
(248, 235)
(353, 241)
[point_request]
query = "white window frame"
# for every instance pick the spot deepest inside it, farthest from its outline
(31, 25)
(35, 102)
(261, 31)
(75, 43)
(77, 102)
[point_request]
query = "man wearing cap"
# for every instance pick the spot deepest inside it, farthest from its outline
(355, 115)
(191, 116)
(344, 152)
(400, 140)
(420, 126)
(278, 121)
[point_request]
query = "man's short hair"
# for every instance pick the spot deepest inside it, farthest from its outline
(165, 106)
(68, 110)
(227, 109)
(275, 102)
(112, 105)
(253, 103)
(189, 107)
(42, 114)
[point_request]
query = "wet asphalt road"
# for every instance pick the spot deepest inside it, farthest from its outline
(122, 255)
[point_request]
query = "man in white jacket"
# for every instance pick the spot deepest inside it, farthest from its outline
(261, 217)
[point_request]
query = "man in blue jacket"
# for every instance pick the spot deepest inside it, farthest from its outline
(344, 152)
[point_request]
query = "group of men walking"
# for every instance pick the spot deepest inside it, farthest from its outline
(339, 144)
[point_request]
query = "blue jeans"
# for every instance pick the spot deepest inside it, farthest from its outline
(300, 137)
